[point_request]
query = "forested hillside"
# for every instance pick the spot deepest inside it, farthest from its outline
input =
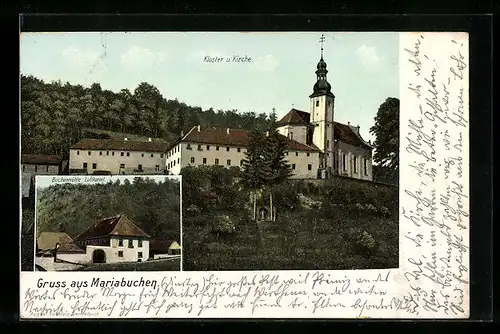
(72, 208)
(54, 115)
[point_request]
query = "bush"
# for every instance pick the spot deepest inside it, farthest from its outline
(365, 243)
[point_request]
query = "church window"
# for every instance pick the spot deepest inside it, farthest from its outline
(121, 154)
(228, 162)
(113, 153)
(152, 155)
(90, 153)
(355, 162)
(217, 148)
(308, 154)
(204, 161)
(192, 160)
(216, 161)
(208, 147)
(77, 152)
(317, 103)
(344, 162)
(309, 167)
(100, 152)
(227, 149)
(128, 154)
(296, 154)
(178, 160)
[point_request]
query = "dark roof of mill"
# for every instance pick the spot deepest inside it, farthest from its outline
(342, 132)
(40, 159)
(233, 137)
(119, 225)
(48, 241)
(121, 145)
(162, 244)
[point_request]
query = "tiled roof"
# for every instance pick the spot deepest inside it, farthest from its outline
(295, 117)
(342, 132)
(347, 135)
(234, 137)
(121, 145)
(119, 225)
(48, 241)
(40, 159)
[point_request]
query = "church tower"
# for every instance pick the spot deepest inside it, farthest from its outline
(321, 111)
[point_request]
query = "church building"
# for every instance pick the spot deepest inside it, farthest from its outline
(317, 145)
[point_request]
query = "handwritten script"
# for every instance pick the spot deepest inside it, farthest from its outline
(311, 293)
(434, 171)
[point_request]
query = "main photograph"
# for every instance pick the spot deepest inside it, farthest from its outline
(287, 142)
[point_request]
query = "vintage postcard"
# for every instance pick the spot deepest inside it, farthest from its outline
(244, 175)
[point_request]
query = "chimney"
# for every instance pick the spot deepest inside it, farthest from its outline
(369, 141)
(349, 123)
(125, 138)
(227, 130)
(358, 129)
(199, 128)
(149, 139)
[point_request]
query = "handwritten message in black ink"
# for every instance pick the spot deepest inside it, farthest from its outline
(434, 172)
(308, 293)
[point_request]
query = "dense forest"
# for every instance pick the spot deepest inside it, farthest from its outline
(54, 115)
(72, 208)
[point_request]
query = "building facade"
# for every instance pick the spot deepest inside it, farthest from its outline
(41, 164)
(342, 150)
(209, 146)
(114, 239)
(90, 156)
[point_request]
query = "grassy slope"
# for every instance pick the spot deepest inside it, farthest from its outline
(302, 238)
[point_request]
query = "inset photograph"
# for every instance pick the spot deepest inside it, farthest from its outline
(108, 223)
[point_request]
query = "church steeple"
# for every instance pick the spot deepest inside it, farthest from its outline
(321, 87)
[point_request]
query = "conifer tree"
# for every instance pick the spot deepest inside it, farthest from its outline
(276, 162)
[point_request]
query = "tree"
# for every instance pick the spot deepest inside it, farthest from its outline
(280, 169)
(386, 131)
(255, 171)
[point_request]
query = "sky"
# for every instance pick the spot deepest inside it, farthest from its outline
(45, 181)
(363, 67)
